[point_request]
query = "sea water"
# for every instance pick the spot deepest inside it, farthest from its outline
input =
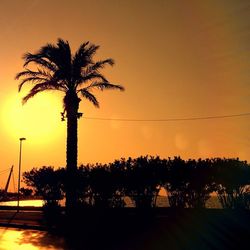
(162, 201)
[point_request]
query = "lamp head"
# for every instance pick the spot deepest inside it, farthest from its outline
(22, 139)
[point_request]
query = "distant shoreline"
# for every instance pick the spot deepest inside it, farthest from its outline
(162, 201)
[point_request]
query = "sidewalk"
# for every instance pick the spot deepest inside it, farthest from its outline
(22, 219)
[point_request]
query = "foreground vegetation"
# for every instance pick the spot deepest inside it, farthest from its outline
(188, 183)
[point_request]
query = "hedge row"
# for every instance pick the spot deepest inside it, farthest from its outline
(188, 183)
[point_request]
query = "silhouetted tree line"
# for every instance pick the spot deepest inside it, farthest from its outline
(188, 183)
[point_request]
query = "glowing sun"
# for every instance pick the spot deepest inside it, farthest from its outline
(39, 119)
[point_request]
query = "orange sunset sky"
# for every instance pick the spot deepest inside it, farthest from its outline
(176, 59)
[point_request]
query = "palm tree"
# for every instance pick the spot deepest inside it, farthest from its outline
(74, 74)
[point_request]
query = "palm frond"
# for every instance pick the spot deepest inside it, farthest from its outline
(40, 88)
(65, 51)
(101, 64)
(26, 73)
(84, 54)
(104, 85)
(39, 60)
(30, 73)
(46, 49)
(33, 80)
(55, 57)
(92, 77)
(28, 96)
(91, 50)
(81, 60)
(91, 72)
(50, 85)
(34, 77)
(86, 94)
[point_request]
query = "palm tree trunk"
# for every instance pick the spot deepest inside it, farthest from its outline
(71, 159)
(71, 105)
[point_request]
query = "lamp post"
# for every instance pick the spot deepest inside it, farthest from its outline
(19, 171)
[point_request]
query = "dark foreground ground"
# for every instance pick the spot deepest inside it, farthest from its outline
(132, 229)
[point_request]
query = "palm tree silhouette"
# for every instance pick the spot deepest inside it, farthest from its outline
(74, 74)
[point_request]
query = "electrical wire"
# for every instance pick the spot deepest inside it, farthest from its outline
(4, 171)
(169, 119)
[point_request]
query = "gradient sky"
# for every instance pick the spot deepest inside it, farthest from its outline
(176, 59)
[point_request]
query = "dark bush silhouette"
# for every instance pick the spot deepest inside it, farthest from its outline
(83, 186)
(45, 182)
(175, 182)
(188, 184)
(232, 179)
(101, 186)
(200, 182)
(142, 181)
(26, 192)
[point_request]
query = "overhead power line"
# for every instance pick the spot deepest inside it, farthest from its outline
(5, 170)
(169, 119)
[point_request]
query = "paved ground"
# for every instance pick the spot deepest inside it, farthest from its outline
(128, 229)
(22, 219)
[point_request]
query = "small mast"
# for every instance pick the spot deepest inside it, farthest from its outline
(8, 181)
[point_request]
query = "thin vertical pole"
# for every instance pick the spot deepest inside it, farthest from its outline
(19, 172)
(19, 175)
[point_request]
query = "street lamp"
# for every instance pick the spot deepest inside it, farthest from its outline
(19, 171)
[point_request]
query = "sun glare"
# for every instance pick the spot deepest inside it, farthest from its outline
(38, 119)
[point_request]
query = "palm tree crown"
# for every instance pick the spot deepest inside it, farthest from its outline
(58, 69)
(77, 76)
